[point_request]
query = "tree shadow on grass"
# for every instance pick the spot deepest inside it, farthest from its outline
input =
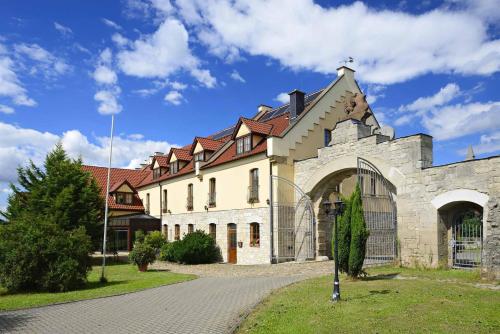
(380, 277)
(158, 270)
(9, 322)
(96, 285)
(371, 293)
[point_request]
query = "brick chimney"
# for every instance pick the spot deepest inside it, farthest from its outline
(296, 104)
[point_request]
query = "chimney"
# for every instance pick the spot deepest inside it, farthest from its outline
(296, 104)
(158, 153)
(344, 70)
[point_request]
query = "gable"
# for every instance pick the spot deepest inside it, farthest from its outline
(242, 131)
(173, 157)
(198, 148)
(124, 188)
(156, 164)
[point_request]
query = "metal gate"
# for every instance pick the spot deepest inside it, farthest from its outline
(467, 240)
(379, 212)
(292, 222)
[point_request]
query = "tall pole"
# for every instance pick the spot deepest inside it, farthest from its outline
(106, 206)
(336, 284)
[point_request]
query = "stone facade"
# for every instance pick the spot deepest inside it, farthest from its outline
(407, 164)
(242, 218)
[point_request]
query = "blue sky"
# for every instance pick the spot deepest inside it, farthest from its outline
(175, 69)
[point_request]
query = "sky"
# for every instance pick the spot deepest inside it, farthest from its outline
(174, 69)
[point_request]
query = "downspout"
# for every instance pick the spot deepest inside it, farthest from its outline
(271, 213)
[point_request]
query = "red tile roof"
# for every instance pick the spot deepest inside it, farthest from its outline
(117, 177)
(253, 126)
(181, 153)
(117, 185)
(208, 144)
(161, 159)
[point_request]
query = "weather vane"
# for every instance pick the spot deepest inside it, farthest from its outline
(348, 60)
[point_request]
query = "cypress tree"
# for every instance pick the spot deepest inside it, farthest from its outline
(359, 235)
(344, 237)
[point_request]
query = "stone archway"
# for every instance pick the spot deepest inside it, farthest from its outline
(460, 239)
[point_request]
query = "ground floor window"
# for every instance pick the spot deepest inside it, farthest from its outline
(190, 228)
(121, 240)
(254, 235)
(212, 230)
(165, 231)
(177, 232)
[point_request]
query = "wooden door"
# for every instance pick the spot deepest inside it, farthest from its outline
(232, 243)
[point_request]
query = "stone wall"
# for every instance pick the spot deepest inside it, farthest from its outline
(407, 164)
(242, 218)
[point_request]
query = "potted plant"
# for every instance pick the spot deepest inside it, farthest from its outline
(142, 255)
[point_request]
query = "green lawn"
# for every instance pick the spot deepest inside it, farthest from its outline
(424, 301)
(122, 278)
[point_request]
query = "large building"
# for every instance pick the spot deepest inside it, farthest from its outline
(257, 187)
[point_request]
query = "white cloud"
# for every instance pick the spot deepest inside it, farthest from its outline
(107, 80)
(283, 98)
(178, 85)
(18, 145)
(454, 121)
(487, 144)
(174, 97)
(108, 101)
(111, 24)
(6, 109)
(119, 40)
(388, 46)
(374, 92)
(43, 61)
(162, 54)
(425, 104)
(10, 85)
(236, 76)
(65, 31)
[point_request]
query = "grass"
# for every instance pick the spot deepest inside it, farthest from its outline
(427, 301)
(122, 278)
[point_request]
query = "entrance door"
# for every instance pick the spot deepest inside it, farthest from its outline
(231, 243)
(467, 236)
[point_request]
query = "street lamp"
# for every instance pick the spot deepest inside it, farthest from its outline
(338, 208)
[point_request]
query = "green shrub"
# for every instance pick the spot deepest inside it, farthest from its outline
(167, 251)
(139, 236)
(156, 240)
(195, 248)
(142, 254)
(359, 235)
(36, 255)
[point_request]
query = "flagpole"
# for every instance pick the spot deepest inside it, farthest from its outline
(106, 206)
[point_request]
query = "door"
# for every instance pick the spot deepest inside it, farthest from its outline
(231, 243)
(467, 236)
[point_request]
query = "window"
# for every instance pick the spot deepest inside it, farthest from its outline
(254, 235)
(174, 167)
(177, 232)
(124, 198)
(244, 144)
(211, 193)
(190, 228)
(165, 231)
(212, 231)
(189, 204)
(147, 203)
(165, 201)
(199, 156)
(328, 137)
(253, 188)
(156, 173)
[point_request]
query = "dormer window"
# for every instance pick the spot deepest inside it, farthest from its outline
(156, 173)
(174, 167)
(124, 198)
(199, 156)
(244, 144)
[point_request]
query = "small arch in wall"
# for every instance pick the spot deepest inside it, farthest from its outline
(460, 195)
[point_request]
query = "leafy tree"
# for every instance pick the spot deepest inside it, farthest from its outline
(38, 255)
(62, 193)
(359, 235)
(156, 240)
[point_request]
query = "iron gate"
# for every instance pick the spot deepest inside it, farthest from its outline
(379, 212)
(293, 222)
(467, 240)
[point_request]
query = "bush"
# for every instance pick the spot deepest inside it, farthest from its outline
(196, 248)
(344, 238)
(139, 236)
(156, 240)
(37, 255)
(142, 254)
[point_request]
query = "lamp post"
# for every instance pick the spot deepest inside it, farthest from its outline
(337, 211)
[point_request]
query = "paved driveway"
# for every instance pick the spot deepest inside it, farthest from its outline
(205, 305)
